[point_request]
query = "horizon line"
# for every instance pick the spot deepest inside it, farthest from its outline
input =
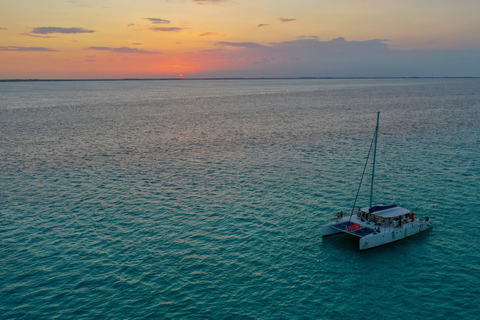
(233, 78)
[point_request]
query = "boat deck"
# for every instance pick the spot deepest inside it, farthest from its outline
(362, 231)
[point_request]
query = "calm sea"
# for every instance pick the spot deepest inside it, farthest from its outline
(205, 199)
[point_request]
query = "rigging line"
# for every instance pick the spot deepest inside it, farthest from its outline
(361, 180)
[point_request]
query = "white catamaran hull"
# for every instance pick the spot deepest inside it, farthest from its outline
(372, 236)
(328, 230)
(392, 236)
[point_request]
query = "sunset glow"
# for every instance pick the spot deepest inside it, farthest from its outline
(225, 38)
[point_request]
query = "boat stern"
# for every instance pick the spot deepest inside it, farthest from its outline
(328, 230)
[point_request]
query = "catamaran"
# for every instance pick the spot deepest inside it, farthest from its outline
(378, 224)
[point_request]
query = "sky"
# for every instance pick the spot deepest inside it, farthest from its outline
(114, 39)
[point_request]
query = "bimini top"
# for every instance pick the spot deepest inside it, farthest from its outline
(383, 211)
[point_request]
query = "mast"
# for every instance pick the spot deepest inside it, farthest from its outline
(374, 156)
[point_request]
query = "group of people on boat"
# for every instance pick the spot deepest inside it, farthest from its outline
(398, 221)
(395, 222)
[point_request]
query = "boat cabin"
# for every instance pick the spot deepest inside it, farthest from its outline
(385, 215)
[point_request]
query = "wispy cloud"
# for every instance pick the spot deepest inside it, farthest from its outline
(263, 60)
(3, 29)
(78, 5)
(167, 29)
(14, 48)
(239, 44)
(35, 35)
(285, 20)
(157, 20)
(123, 50)
(263, 25)
(211, 34)
(307, 37)
(91, 58)
(209, 2)
(47, 30)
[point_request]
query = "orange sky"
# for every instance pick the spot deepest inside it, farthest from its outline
(230, 38)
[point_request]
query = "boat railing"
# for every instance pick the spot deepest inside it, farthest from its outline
(386, 228)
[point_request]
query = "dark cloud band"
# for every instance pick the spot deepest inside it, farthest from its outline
(47, 30)
(283, 20)
(167, 29)
(157, 20)
(240, 44)
(13, 48)
(123, 50)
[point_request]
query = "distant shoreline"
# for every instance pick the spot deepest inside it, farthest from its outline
(196, 79)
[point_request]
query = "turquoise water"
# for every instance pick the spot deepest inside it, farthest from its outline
(205, 199)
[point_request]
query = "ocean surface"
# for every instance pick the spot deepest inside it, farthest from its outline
(205, 199)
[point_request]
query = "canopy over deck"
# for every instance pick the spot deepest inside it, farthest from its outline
(391, 211)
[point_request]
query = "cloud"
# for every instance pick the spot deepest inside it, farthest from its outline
(167, 29)
(211, 34)
(239, 44)
(285, 20)
(157, 20)
(47, 30)
(123, 50)
(342, 58)
(3, 29)
(91, 58)
(130, 24)
(209, 2)
(35, 35)
(263, 25)
(306, 57)
(263, 60)
(13, 48)
(213, 50)
(307, 37)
